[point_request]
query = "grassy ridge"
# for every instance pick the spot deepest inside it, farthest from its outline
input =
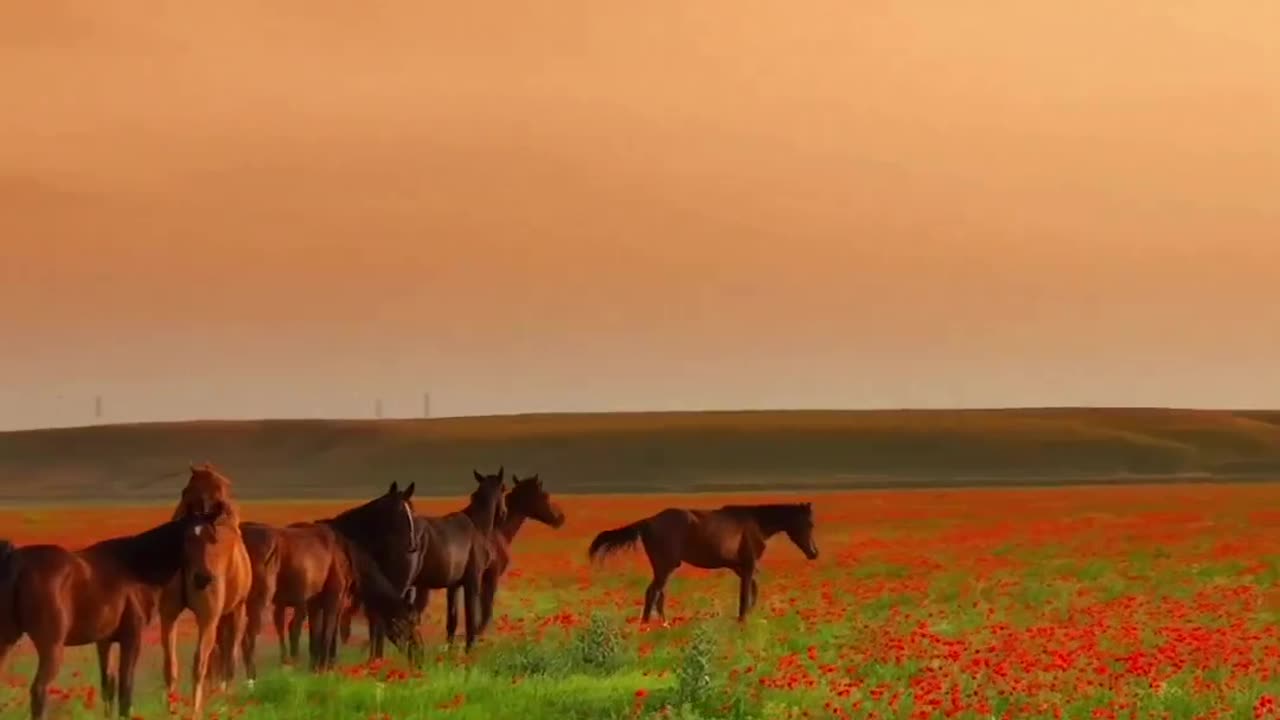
(648, 452)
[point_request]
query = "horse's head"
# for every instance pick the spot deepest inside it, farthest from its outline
(206, 541)
(529, 499)
(799, 528)
(489, 498)
(205, 487)
(394, 512)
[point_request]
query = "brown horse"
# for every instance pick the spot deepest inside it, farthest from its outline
(731, 537)
(263, 543)
(318, 568)
(104, 594)
(454, 551)
(214, 585)
(525, 500)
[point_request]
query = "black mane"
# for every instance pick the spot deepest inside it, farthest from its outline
(362, 523)
(772, 518)
(153, 557)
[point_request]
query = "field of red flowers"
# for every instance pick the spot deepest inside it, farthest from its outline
(1131, 602)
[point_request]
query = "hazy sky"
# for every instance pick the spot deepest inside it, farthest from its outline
(234, 210)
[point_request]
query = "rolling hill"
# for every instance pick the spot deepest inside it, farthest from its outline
(648, 452)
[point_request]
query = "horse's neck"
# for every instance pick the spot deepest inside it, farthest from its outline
(768, 527)
(482, 518)
(513, 523)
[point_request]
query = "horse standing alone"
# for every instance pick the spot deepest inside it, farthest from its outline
(731, 537)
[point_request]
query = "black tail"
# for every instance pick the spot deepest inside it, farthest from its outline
(611, 541)
(10, 569)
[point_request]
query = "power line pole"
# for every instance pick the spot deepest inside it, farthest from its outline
(377, 408)
(426, 405)
(97, 407)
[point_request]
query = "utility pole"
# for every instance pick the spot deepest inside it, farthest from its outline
(426, 405)
(377, 408)
(97, 407)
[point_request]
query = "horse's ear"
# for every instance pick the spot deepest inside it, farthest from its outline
(479, 477)
(515, 479)
(501, 471)
(408, 491)
(535, 480)
(394, 488)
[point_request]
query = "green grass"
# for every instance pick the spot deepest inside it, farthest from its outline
(648, 452)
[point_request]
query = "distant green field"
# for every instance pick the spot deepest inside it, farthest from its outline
(649, 452)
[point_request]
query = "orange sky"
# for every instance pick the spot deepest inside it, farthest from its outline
(225, 210)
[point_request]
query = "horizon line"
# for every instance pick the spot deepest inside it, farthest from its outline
(589, 413)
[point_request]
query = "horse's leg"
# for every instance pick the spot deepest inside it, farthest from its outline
(280, 618)
(662, 565)
(755, 592)
(488, 591)
(107, 677)
(451, 612)
(332, 622)
(300, 614)
(169, 644)
(746, 578)
(655, 594)
(317, 647)
(236, 622)
(130, 651)
(205, 640)
(249, 642)
(471, 607)
(50, 650)
(345, 618)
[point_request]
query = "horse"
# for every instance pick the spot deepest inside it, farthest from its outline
(263, 543)
(732, 537)
(214, 584)
(321, 566)
(455, 551)
(525, 500)
(106, 593)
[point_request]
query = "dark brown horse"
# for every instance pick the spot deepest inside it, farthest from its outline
(104, 594)
(455, 549)
(318, 568)
(731, 537)
(526, 500)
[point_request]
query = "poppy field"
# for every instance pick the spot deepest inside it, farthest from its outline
(1101, 602)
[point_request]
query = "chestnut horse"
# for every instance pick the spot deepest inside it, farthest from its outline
(105, 594)
(731, 537)
(214, 585)
(525, 500)
(318, 568)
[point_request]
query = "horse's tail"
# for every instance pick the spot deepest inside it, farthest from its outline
(10, 570)
(611, 541)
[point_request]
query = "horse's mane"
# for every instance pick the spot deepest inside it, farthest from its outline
(152, 557)
(359, 523)
(771, 517)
